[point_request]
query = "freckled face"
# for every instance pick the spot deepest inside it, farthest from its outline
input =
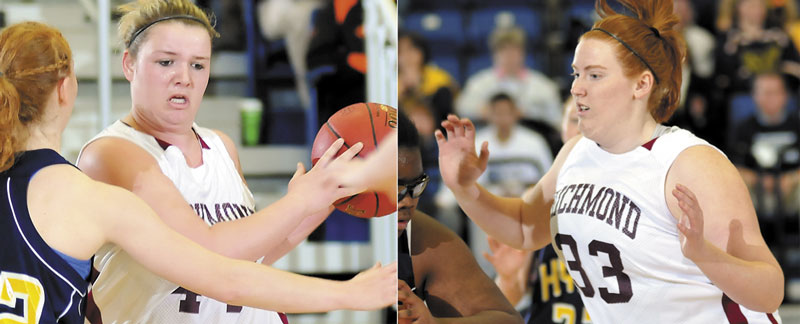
(170, 73)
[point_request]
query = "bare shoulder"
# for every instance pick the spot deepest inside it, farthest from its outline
(705, 171)
(112, 160)
(448, 272)
(70, 187)
(229, 144)
(432, 243)
(430, 236)
(720, 191)
(86, 205)
(51, 181)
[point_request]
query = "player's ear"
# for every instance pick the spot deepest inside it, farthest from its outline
(127, 65)
(644, 85)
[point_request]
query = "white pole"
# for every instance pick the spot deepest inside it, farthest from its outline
(104, 63)
(381, 84)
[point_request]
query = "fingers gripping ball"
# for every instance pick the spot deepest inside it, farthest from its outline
(367, 123)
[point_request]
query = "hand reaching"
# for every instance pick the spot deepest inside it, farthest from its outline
(459, 164)
(378, 171)
(373, 288)
(320, 187)
(508, 261)
(411, 308)
(690, 224)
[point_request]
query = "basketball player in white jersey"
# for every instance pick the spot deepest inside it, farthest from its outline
(653, 223)
(53, 218)
(188, 174)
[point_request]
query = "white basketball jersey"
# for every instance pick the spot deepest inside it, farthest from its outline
(125, 292)
(620, 242)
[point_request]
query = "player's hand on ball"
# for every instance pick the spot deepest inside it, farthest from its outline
(373, 288)
(410, 308)
(459, 164)
(320, 187)
(690, 224)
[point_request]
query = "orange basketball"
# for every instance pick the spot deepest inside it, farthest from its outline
(367, 123)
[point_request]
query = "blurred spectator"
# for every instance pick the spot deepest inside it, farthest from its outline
(338, 42)
(766, 148)
(518, 158)
(290, 20)
(536, 95)
(780, 13)
(419, 79)
(751, 47)
(536, 282)
(694, 112)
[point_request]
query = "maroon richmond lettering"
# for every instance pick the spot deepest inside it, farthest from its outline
(221, 212)
(604, 204)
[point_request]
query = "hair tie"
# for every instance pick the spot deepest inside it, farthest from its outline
(143, 28)
(655, 31)
(630, 49)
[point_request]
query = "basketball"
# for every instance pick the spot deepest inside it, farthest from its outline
(367, 123)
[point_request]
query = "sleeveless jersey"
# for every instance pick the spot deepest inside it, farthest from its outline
(620, 242)
(36, 284)
(126, 292)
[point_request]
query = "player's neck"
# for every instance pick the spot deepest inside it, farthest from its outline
(41, 136)
(630, 137)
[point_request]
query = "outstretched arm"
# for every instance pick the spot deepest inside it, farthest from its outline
(122, 163)
(719, 230)
(128, 222)
(521, 223)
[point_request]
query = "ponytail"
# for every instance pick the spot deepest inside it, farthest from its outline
(10, 124)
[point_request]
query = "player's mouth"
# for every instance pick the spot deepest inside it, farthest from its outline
(582, 109)
(178, 101)
(402, 224)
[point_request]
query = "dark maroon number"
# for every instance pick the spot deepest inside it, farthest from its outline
(615, 270)
(191, 305)
(575, 265)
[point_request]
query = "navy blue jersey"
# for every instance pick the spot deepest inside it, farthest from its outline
(36, 284)
(555, 299)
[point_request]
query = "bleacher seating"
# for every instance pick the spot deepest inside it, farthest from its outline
(483, 21)
(451, 64)
(443, 29)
